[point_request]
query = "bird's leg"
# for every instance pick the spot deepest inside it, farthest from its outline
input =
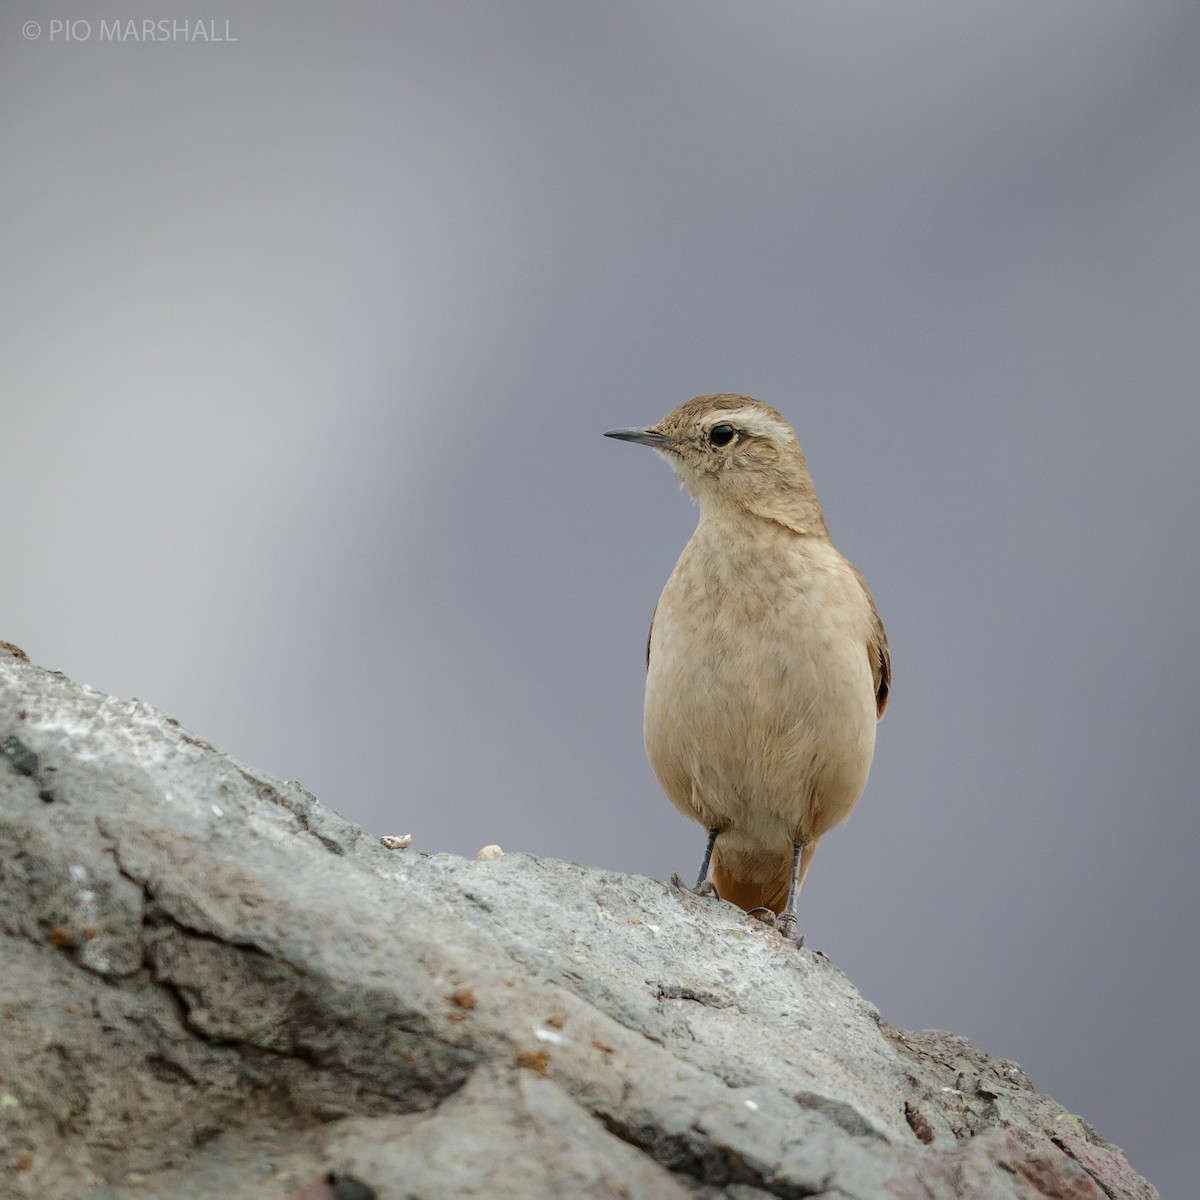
(788, 919)
(704, 887)
(702, 878)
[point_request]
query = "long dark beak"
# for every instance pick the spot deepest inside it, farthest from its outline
(643, 437)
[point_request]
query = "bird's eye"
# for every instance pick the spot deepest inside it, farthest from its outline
(721, 435)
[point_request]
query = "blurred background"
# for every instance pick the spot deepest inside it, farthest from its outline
(309, 332)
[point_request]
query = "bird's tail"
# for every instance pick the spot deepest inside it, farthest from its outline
(757, 880)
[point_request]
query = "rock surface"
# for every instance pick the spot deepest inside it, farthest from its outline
(212, 986)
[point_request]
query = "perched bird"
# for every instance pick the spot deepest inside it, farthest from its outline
(767, 664)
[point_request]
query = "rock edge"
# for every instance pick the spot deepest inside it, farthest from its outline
(213, 986)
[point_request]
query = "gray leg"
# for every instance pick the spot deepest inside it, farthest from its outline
(788, 919)
(712, 841)
(704, 886)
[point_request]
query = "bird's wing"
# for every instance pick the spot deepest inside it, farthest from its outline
(650, 635)
(878, 654)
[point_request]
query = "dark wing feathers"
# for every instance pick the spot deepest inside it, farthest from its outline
(878, 654)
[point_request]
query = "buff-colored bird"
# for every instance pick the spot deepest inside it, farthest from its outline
(767, 664)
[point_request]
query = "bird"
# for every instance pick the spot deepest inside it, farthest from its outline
(767, 663)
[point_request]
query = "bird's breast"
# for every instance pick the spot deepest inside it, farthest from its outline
(759, 695)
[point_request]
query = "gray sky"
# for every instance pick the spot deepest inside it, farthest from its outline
(308, 339)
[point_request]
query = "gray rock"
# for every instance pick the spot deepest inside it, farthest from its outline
(212, 986)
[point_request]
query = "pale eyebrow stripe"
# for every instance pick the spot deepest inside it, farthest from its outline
(752, 421)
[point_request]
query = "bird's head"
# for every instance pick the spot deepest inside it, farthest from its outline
(734, 453)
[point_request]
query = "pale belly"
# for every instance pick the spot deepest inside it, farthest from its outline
(760, 706)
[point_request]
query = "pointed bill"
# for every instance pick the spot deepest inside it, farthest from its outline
(643, 437)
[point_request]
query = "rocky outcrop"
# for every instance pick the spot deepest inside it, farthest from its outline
(213, 987)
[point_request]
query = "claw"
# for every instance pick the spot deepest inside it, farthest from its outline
(787, 929)
(707, 889)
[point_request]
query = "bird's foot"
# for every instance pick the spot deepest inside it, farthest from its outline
(784, 924)
(706, 888)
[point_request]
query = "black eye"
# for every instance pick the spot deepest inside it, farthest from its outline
(721, 435)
